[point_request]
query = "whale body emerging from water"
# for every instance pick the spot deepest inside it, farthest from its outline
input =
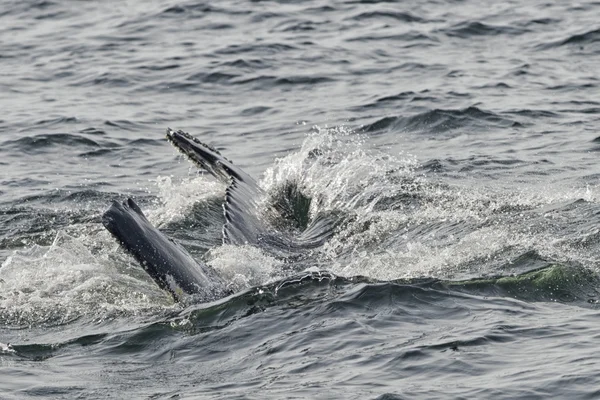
(170, 265)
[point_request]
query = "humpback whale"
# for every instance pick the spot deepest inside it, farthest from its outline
(167, 262)
(173, 268)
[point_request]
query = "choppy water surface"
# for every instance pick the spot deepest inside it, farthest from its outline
(456, 143)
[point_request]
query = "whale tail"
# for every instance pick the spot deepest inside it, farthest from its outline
(169, 264)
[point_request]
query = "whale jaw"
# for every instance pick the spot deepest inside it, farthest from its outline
(206, 157)
(168, 264)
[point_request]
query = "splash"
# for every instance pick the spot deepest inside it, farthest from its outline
(57, 284)
(394, 222)
(399, 223)
(176, 197)
(244, 266)
(335, 167)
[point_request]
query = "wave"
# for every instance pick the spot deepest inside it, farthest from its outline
(439, 120)
(534, 113)
(195, 9)
(540, 21)
(251, 64)
(403, 97)
(46, 142)
(91, 142)
(469, 29)
(322, 294)
(212, 77)
(395, 226)
(286, 80)
(383, 15)
(259, 49)
(109, 79)
(164, 67)
(296, 25)
(411, 38)
(580, 39)
(250, 111)
(124, 124)
(38, 10)
(46, 123)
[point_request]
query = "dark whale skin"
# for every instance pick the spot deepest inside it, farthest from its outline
(167, 262)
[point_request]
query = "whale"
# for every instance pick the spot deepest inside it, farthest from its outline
(164, 260)
(246, 222)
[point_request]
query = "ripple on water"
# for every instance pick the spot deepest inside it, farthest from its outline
(455, 154)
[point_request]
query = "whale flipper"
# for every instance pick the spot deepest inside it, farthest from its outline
(242, 223)
(169, 264)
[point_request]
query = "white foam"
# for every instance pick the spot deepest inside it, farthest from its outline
(405, 224)
(65, 281)
(177, 196)
(401, 224)
(244, 266)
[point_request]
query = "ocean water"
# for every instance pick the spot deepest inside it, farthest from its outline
(456, 142)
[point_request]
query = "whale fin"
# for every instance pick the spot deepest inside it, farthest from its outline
(169, 264)
(242, 224)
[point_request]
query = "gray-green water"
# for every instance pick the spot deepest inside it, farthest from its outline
(457, 140)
